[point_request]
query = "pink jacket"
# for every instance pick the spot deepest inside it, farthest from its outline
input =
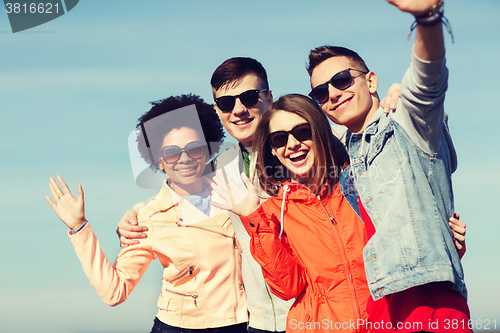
(202, 284)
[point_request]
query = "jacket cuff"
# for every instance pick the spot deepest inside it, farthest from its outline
(255, 221)
(81, 232)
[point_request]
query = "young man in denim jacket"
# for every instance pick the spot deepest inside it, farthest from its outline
(401, 162)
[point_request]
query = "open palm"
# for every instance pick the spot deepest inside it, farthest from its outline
(70, 210)
(229, 196)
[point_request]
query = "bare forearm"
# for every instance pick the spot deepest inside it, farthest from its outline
(429, 44)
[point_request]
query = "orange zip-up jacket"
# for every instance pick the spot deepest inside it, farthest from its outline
(318, 260)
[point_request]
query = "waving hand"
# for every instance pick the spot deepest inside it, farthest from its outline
(70, 210)
(229, 196)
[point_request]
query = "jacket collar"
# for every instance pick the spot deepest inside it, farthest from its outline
(298, 191)
(370, 128)
(185, 212)
(167, 198)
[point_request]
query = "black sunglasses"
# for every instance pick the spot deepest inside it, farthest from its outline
(341, 81)
(300, 132)
(194, 150)
(248, 98)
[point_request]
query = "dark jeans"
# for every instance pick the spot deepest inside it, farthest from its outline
(254, 330)
(160, 327)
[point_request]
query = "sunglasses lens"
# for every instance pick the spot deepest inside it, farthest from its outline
(302, 132)
(342, 80)
(225, 103)
(195, 150)
(249, 98)
(320, 93)
(171, 154)
(278, 139)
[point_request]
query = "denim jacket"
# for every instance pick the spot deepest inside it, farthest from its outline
(403, 176)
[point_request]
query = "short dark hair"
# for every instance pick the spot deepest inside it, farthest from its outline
(330, 155)
(234, 69)
(210, 124)
(322, 53)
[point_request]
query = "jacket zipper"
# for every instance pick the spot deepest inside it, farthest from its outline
(234, 266)
(234, 278)
(307, 322)
(351, 282)
(344, 256)
(194, 296)
(205, 229)
(189, 270)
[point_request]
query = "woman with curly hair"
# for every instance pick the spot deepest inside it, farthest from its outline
(202, 287)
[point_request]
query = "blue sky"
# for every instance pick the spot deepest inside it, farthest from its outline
(72, 89)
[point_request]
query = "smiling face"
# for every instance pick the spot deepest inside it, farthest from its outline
(354, 106)
(242, 121)
(186, 170)
(297, 156)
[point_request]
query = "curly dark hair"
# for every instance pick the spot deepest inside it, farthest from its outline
(150, 139)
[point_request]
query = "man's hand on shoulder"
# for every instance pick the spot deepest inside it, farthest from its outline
(458, 229)
(129, 231)
(390, 101)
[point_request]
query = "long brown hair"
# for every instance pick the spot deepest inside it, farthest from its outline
(330, 155)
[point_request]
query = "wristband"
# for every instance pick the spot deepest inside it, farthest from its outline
(434, 17)
(74, 232)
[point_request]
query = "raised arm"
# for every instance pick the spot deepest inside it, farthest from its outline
(281, 270)
(113, 283)
(420, 110)
(429, 43)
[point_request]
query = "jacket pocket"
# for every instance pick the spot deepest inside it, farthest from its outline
(167, 304)
(192, 295)
(386, 161)
(379, 141)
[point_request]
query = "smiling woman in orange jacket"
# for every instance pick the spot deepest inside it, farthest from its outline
(318, 260)
(308, 237)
